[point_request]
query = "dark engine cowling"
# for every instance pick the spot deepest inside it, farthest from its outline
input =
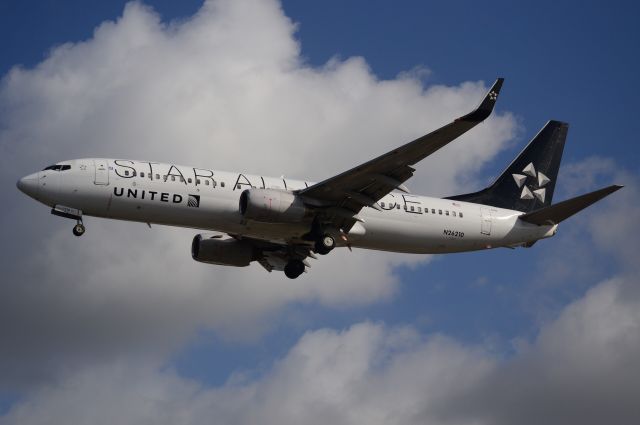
(225, 252)
(272, 206)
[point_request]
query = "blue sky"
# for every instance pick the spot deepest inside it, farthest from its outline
(574, 62)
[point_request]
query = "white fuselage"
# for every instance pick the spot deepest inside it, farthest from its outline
(205, 199)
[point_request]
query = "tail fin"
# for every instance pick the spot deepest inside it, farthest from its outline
(565, 209)
(528, 183)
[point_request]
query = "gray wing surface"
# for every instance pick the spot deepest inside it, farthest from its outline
(346, 194)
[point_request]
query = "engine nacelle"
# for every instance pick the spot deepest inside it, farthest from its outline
(225, 252)
(272, 206)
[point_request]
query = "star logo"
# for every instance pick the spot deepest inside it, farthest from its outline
(493, 95)
(540, 180)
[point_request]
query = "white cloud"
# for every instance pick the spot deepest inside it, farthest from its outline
(367, 373)
(225, 89)
(582, 368)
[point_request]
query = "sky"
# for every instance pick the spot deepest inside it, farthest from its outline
(122, 326)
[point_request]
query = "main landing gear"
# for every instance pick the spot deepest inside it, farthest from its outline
(294, 268)
(324, 244)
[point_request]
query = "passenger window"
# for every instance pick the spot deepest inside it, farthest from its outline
(197, 181)
(181, 179)
(411, 207)
(453, 213)
(440, 212)
(206, 182)
(382, 204)
(126, 172)
(189, 179)
(142, 174)
(446, 212)
(397, 206)
(433, 211)
(222, 184)
(157, 176)
(460, 215)
(173, 178)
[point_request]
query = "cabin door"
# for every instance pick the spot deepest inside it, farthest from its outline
(102, 172)
(485, 221)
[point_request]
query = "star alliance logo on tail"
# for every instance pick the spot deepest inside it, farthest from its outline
(527, 191)
(194, 201)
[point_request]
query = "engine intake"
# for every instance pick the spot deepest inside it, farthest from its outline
(225, 252)
(272, 206)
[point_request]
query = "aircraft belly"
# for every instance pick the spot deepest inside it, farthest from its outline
(421, 235)
(161, 205)
(430, 234)
(219, 213)
(275, 232)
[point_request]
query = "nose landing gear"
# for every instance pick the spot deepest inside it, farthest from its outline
(72, 213)
(79, 229)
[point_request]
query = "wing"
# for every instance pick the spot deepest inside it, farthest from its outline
(344, 195)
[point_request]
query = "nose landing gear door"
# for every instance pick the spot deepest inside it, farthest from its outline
(102, 172)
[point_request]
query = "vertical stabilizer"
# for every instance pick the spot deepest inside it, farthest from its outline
(529, 181)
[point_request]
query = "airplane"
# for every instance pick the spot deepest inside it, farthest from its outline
(281, 223)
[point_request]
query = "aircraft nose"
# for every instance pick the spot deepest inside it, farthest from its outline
(29, 184)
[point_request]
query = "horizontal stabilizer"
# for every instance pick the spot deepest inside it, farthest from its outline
(556, 213)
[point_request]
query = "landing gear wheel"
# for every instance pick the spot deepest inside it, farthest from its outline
(78, 229)
(325, 244)
(294, 268)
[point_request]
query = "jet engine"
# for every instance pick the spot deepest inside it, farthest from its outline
(225, 252)
(272, 206)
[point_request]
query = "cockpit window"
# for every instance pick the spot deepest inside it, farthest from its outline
(58, 167)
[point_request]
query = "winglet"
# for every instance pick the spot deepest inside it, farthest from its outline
(483, 111)
(556, 213)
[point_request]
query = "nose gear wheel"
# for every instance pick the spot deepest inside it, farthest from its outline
(79, 229)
